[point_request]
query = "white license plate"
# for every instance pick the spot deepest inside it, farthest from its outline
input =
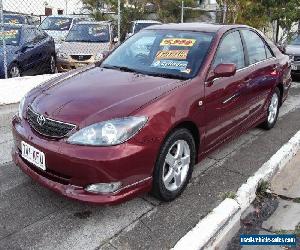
(294, 67)
(33, 155)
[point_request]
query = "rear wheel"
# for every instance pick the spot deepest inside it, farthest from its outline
(14, 71)
(273, 111)
(174, 166)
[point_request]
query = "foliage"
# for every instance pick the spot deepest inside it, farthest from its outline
(262, 13)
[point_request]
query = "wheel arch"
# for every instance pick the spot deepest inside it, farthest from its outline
(193, 129)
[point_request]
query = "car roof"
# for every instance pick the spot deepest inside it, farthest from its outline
(146, 21)
(204, 27)
(94, 22)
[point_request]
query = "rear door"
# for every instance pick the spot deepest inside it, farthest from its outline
(224, 105)
(262, 71)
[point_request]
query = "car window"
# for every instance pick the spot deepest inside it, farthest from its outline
(56, 23)
(171, 53)
(255, 46)
(39, 35)
(10, 35)
(231, 51)
(29, 36)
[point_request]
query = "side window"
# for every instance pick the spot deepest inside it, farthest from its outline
(231, 51)
(39, 35)
(29, 35)
(255, 46)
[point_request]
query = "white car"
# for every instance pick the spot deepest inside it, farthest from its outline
(139, 25)
(58, 27)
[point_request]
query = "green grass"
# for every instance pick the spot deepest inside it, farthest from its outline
(262, 188)
(228, 194)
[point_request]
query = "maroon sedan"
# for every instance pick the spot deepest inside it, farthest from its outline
(142, 119)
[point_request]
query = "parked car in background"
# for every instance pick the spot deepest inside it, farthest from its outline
(293, 50)
(16, 19)
(141, 120)
(29, 51)
(139, 25)
(58, 27)
(85, 44)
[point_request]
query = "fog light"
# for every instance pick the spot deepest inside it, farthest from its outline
(104, 188)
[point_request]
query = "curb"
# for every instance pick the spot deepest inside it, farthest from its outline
(210, 231)
(12, 90)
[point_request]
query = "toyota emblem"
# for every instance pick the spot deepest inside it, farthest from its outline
(41, 120)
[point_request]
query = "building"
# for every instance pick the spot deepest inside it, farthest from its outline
(43, 7)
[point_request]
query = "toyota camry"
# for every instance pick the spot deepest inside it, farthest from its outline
(141, 119)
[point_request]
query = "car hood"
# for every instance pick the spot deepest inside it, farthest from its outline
(98, 95)
(292, 50)
(79, 48)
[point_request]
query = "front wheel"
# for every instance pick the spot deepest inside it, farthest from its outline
(273, 111)
(14, 71)
(174, 165)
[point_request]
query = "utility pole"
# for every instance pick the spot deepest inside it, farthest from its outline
(119, 21)
(3, 40)
(182, 10)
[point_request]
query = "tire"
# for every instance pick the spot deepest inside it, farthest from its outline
(14, 71)
(165, 186)
(273, 111)
(52, 65)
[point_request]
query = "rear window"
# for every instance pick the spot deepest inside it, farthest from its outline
(14, 19)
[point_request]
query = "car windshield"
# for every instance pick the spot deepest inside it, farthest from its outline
(140, 26)
(295, 40)
(56, 23)
(10, 35)
(164, 53)
(91, 33)
(14, 19)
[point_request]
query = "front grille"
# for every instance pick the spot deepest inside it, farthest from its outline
(81, 57)
(50, 127)
(296, 58)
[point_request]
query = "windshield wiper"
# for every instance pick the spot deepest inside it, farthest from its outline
(125, 69)
(166, 75)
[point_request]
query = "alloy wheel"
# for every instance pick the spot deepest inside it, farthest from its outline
(273, 108)
(14, 71)
(176, 165)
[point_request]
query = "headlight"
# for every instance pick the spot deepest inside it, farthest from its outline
(21, 107)
(109, 133)
(62, 55)
(99, 57)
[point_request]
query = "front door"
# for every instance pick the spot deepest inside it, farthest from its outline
(224, 103)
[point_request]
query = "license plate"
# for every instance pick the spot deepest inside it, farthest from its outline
(33, 155)
(81, 65)
(294, 67)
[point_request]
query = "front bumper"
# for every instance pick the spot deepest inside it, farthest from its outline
(295, 67)
(67, 65)
(71, 168)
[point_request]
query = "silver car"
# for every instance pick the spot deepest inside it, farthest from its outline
(293, 50)
(85, 44)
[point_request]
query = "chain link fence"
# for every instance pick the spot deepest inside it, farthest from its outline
(45, 37)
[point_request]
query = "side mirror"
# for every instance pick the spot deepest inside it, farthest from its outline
(224, 70)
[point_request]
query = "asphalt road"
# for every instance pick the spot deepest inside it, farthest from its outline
(32, 217)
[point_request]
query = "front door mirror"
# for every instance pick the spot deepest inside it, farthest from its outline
(26, 47)
(224, 70)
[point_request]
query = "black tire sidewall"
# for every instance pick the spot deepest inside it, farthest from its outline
(159, 190)
(10, 67)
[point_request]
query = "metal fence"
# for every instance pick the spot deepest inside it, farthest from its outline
(44, 37)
